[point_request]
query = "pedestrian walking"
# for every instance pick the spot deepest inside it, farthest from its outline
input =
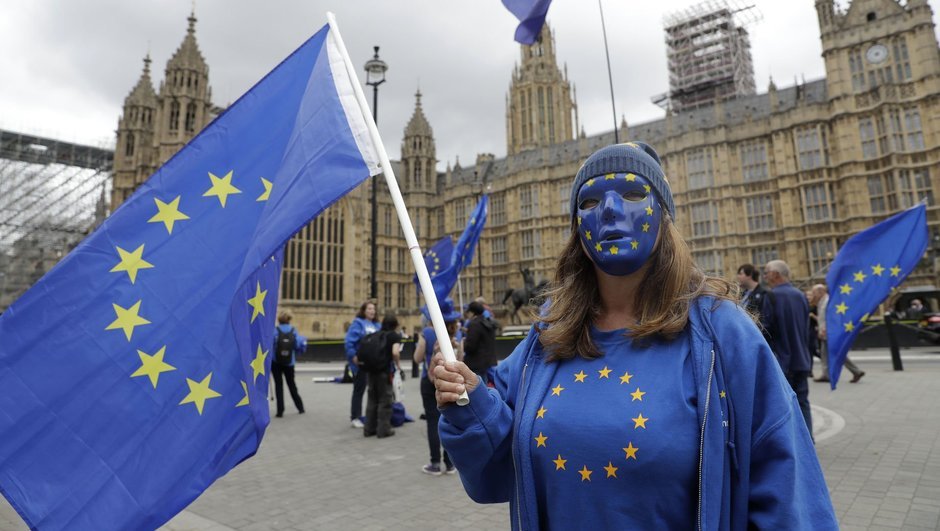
(821, 297)
(381, 395)
(287, 344)
(364, 324)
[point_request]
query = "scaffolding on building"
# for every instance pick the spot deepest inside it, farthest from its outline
(709, 54)
(52, 194)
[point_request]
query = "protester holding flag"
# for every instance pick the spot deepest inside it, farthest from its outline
(644, 398)
(365, 323)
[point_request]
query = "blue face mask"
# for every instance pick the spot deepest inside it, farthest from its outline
(618, 221)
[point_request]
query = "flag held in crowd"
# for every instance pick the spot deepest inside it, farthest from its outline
(869, 265)
(134, 374)
(437, 258)
(531, 15)
(463, 251)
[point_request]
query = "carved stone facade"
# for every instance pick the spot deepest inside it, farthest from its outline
(789, 173)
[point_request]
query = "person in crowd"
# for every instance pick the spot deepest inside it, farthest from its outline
(643, 397)
(381, 395)
(821, 296)
(364, 324)
(287, 344)
(423, 353)
(915, 311)
(753, 295)
(487, 311)
(480, 343)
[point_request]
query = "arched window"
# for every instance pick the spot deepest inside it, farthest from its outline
(129, 147)
(191, 117)
(174, 115)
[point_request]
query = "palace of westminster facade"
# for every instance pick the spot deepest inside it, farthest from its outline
(789, 173)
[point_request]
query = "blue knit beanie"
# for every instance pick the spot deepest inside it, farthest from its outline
(631, 157)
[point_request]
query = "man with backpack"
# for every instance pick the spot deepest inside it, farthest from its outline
(287, 343)
(378, 355)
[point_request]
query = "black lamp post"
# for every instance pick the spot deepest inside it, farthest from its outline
(375, 76)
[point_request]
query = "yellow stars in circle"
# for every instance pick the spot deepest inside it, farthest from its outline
(580, 377)
(634, 244)
(646, 227)
(540, 440)
(630, 451)
(598, 247)
(268, 186)
(609, 177)
(639, 421)
(611, 470)
(845, 289)
(637, 395)
(257, 364)
(199, 392)
(131, 262)
(168, 214)
(626, 377)
(614, 249)
(221, 188)
(649, 211)
(127, 319)
(243, 401)
(841, 308)
(257, 302)
(556, 391)
(152, 366)
(849, 326)
(859, 276)
(587, 234)
(630, 177)
(559, 463)
(877, 270)
(895, 271)
(540, 414)
(585, 473)
(604, 373)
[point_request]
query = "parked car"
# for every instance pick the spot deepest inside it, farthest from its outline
(927, 320)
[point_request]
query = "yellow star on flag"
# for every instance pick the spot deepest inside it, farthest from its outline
(580, 377)
(630, 177)
(647, 188)
(557, 390)
(859, 277)
(257, 364)
(611, 470)
(614, 249)
(199, 392)
(895, 271)
(244, 400)
(131, 262)
(609, 177)
(631, 451)
(598, 247)
(540, 414)
(540, 440)
(268, 186)
(168, 214)
(585, 473)
(634, 244)
(877, 269)
(587, 234)
(639, 421)
(221, 187)
(649, 211)
(845, 289)
(626, 377)
(841, 308)
(722, 394)
(152, 366)
(559, 463)
(604, 373)
(637, 395)
(646, 227)
(127, 319)
(257, 302)
(589, 182)
(849, 326)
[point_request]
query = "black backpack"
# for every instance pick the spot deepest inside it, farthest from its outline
(284, 347)
(371, 352)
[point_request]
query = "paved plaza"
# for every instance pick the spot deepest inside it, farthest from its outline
(878, 442)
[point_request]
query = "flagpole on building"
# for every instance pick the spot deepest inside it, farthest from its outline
(434, 309)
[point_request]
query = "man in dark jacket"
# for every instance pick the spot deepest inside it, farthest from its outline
(479, 346)
(789, 332)
(754, 298)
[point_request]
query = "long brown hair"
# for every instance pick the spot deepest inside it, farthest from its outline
(662, 301)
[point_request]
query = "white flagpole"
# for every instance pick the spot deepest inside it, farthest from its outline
(421, 268)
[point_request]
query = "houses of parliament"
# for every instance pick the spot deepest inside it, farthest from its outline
(789, 173)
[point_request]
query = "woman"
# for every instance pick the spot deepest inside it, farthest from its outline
(287, 343)
(364, 324)
(381, 395)
(427, 341)
(644, 397)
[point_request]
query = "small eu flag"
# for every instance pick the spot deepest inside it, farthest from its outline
(869, 265)
(134, 374)
(437, 258)
(531, 15)
(467, 243)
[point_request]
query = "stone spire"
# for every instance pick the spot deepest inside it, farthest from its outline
(418, 125)
(143, 93)
(188, 56)
(418, 153)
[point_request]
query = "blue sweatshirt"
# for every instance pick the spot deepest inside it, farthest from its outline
(756, 465)
(359, 328)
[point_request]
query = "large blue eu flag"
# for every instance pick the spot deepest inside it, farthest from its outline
(531, 15)
(437, 259)
(134, 374)
(869, 265)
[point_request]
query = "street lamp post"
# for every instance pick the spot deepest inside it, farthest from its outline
(375, 76)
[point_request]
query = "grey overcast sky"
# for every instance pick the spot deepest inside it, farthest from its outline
(69, 65)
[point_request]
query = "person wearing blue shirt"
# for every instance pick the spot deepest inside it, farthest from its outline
(287, 344)
(364, 324)
(644, 397)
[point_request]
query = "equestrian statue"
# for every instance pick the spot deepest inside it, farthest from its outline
(530, 293)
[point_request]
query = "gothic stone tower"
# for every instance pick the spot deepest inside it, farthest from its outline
(539, 106)
(134, 154)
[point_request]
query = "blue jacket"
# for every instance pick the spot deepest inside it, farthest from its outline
(300, 341)
(757, 464)
(789, 328)
(360, 327)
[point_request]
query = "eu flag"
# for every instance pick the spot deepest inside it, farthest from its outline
(869, 265)
(531, 15)
(437, 258)
(467, 243)
(134, 374)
